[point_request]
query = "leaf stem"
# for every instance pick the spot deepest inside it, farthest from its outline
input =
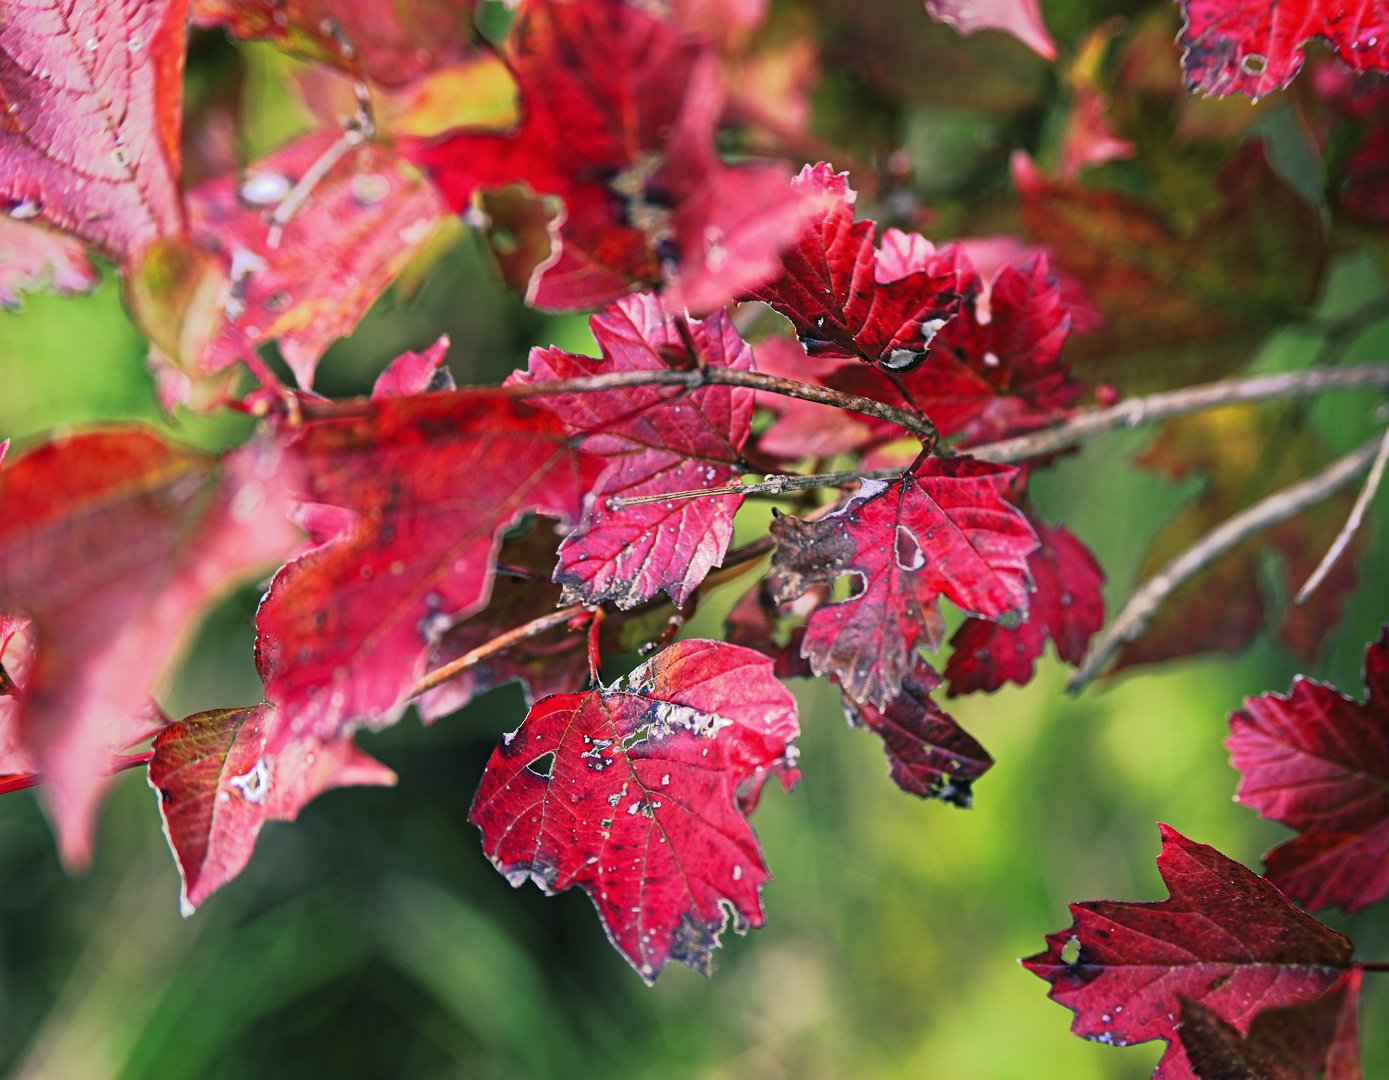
(1278, 507)
(1364, 966)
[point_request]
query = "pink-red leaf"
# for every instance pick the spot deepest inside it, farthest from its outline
(391, 42)
(18, 769)
(1065, 606)
(113, 542)
(944, 529)
(415, 373)
(928, 753)
(305, 278)
(90, 102)
(619, 113)
(651, 442)
(1254, 48)
(33, 256)
(1021, 18)
(219, 782)
(846, 298)
(407, 498)
(1226, 938)
(1316, 1040)
(632, 794)
(1319, 762)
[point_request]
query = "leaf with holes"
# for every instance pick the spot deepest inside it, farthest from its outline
(390, 42)
(1225, 938)
(405, 499)
(1319, 763)
(309, 235)
(1255, 48)
(652, 440)
(1066, 606)
(1316, 1040)
(944, 529)
(928, 753)
(219, 782)
(91, 101)
(113, 543)
(635, 793)
(847, 298)
(619, 112)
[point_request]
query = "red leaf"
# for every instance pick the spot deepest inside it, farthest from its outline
(415, 373)
(1066, 606)
(391, 42)
(1255, 48)
(847, 299)
(114, 542)
(632, 794)
(1226, 938)
(407, 499)
(619, 116)
(990, 254)
(928, 753)
(1021, 18)
(218, 783)
(32, 256)
(944, 529)
(308, 282)
(18, 769)
(1319, 763)
(755, 621)
(804, 428)
(89, 139)
(1316, 1040)
(652, 442)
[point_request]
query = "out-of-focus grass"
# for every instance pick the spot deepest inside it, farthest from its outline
(372, 939)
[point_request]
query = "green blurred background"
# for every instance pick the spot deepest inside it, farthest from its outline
(372, 939)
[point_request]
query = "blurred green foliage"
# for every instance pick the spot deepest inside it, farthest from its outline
(372, 939)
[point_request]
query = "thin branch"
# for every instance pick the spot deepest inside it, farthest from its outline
(1278, 507)
(315, 172)
(1365, 966)
(1348, 530)
(489, 648)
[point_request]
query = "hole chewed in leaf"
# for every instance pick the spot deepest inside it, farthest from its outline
(544, 765)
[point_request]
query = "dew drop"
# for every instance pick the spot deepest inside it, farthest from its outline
(263, 189)
(135, 43)
(91, 44)
(368, 189)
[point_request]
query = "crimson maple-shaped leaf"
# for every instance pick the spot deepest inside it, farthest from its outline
(1021, 18)
(1255, 48)
(943, 529)
(651, 443)
(407, 498)
(619, 113)
(928, 753)
(1226, 938)
(846, 298)
(1065, 606)
(33, 256)
(1319, 762)
(1316, 1040)
(91, 98)
(218, 783)
(303, 272)
(391, 42)
(113, 542)
(633, 794)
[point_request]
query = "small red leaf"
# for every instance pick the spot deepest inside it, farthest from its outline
(632, 794)
(113, 542)
(1021, 18)
(845, 298)
(92, 108)
(1226, 938)
(928, 753)
(1254, 48)
(408, 498)
(651, 442)
(1319, 763)
(1065, 606)
(18, 769)
(944, 529)
(33, 256)
(305, 278)
(415, 373)
(1316, 1040)
(218, 783)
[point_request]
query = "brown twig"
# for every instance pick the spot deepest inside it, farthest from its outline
(1278, 507)
(1348, 530)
